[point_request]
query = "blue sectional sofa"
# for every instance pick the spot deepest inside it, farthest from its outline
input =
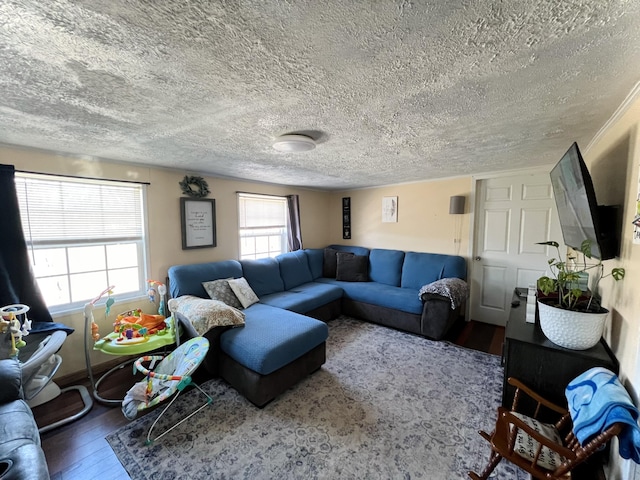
(283, 339)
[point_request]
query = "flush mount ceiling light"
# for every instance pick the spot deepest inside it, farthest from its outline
(294, 143)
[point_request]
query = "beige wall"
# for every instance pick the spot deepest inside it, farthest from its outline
(613, 162)
(165, 241)
(424, 223)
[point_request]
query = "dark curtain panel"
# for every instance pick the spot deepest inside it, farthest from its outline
(295, 233)
(17, 283)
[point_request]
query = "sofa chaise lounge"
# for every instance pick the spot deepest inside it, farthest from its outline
(283, 339)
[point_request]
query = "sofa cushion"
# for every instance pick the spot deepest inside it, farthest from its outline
(373, 293)
(220, 290)
(420, 269)
(352, 268)
(243, 291)
(329, 263)
(526, 446)
(187, 279)
(304, 298)
(315, 257)
(385, 266)
(294, 269)
(263, 275)
(272, 338)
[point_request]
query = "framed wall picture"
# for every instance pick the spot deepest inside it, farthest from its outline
(346, 218)
(389, 209)
(198, 218)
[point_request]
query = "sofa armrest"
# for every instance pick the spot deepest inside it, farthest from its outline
(435, 296)
(437, 316)
(11, 380)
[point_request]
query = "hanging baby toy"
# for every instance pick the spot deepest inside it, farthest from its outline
(88, 311)
(162, 292)
(11, 323)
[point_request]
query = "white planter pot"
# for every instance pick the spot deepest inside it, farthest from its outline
(574, 330)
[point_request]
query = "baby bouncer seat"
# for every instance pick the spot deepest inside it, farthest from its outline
(170, 377)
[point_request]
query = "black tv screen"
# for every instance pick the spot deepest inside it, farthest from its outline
(577, 206)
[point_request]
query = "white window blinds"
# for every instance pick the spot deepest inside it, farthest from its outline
(59, 210)
(259, 211)
(263, 225)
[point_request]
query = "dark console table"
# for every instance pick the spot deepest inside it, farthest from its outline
(541, 364)
(531, 357)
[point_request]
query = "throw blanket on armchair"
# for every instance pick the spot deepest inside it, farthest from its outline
(597, 400)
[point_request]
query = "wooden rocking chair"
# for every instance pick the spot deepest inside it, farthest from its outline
(546, 451)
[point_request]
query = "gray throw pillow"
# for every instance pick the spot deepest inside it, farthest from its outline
(220, 290)
(329, 263)
(352, 268)
(243, 291)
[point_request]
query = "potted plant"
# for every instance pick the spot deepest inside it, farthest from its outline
(569, 316)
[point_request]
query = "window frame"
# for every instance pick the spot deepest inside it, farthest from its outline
(283, 235)
(141, 242)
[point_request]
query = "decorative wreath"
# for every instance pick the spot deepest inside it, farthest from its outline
(201, 186)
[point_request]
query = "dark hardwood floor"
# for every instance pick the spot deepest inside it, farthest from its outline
(79, 451)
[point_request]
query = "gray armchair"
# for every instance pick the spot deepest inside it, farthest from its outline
(21, 456)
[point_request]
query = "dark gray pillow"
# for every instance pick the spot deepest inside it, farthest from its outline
(329, 263)
(352, 268)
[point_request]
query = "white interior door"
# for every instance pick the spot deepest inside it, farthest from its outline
(512, 214)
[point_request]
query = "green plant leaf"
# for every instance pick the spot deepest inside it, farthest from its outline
(551, 243)
(585, 248)
(618, 273)
(566, 277)
(547, 285)
(576, 292)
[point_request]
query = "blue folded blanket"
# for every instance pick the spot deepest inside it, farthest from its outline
(596, 401)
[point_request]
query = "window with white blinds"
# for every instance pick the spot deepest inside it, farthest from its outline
(263, 225)
(83, 236)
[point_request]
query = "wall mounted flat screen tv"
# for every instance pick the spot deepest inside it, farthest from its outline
(580, 216)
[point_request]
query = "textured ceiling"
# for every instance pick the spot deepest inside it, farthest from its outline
(393, 91)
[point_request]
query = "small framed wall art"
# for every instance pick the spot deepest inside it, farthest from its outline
(198, 219)
(389, 209)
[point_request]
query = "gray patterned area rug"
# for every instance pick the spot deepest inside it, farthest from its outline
(386, 405)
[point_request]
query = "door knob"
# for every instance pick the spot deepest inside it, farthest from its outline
(477, 258)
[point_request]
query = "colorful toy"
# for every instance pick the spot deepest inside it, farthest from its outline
(162, 292)
(168, 379)
(134, 332)
(88, 311)
(17, 328)
(135, 326)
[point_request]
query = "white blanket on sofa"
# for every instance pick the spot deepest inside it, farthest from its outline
(205, 314)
